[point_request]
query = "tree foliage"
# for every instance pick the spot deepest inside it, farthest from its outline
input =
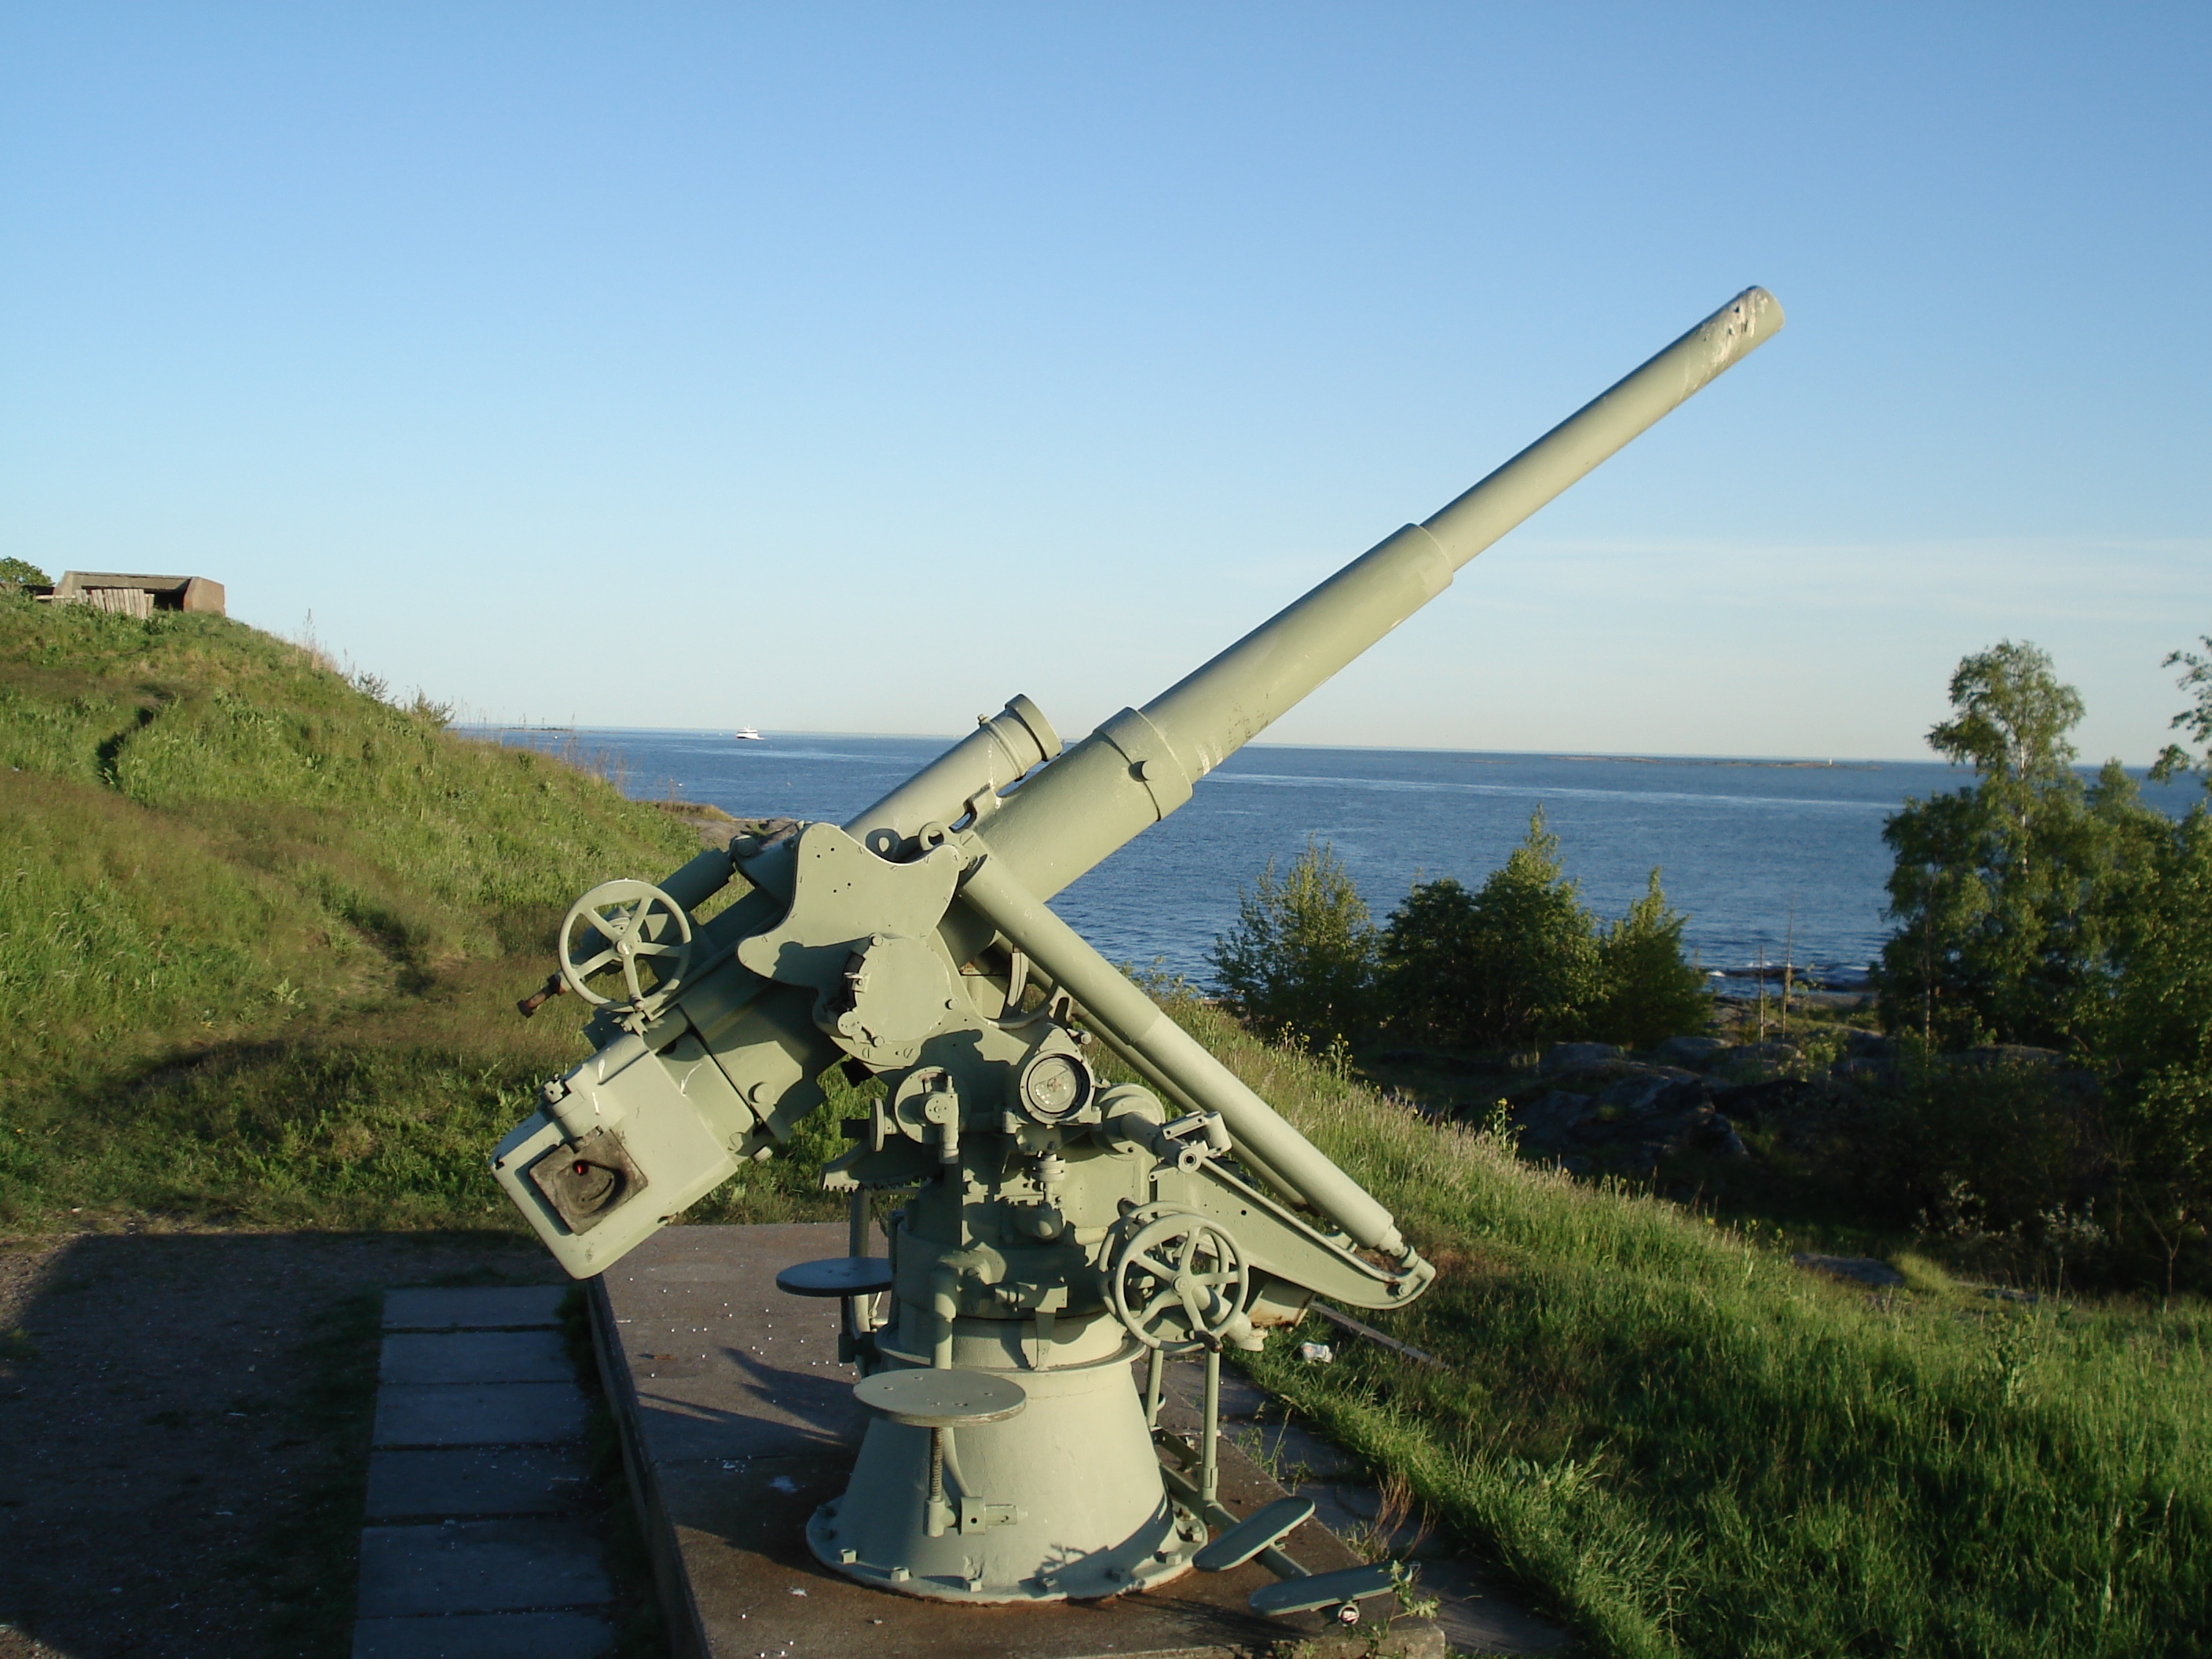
(1301, 955)
(1651, 992)
(2008, 893)
(1513, 961)
(20, 573)
(2034, 907)
(2174, 760)
(1520, 960)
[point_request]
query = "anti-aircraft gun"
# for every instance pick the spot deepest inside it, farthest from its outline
(1054, 1227)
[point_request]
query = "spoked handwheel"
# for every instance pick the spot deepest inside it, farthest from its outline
(1180, 1282)
(631, 923)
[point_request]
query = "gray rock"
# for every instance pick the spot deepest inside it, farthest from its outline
(1560, 1055)
(2010, 1054)
(1694, 1052)
(1641, 1115)
(1650, 1090)
(1551, 1119)
(1769, 1053)
(1861, 1269)
(1698, 1128)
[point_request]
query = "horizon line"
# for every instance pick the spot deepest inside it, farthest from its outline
(1810, 761)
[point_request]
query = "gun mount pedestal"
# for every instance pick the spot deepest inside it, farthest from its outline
(1060, 1500)
(737, 1423)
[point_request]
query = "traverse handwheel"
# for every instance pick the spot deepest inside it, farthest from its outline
(1179, 1281)
(629, 923)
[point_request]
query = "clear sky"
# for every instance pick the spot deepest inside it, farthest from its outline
(851, 368)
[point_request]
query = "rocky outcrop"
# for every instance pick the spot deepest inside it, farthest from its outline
(1603, 1109)
(1695, 1052)
(1562, 1056)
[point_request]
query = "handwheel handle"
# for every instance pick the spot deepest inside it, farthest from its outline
(626, 922)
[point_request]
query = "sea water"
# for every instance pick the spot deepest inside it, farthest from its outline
(1767, 859)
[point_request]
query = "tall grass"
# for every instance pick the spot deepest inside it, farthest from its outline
(1684, 1444)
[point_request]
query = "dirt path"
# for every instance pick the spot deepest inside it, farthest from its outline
(185, 1417)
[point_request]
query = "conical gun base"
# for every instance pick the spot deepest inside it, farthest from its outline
(1062, 1502)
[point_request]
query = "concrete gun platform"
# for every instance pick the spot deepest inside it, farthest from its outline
(738, 1421)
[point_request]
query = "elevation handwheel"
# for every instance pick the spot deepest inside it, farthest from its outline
(635, 923)
(1179, 1281)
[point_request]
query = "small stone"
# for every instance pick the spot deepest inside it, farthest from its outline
(1864, 1269)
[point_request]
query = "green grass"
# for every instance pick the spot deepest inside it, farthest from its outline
(1682, 1444)
(261, 933)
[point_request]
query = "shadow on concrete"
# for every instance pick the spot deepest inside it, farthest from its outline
(187, 1417)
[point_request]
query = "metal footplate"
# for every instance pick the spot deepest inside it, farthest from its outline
(854, 1281)
(1262, 1529)
(1345, 1588)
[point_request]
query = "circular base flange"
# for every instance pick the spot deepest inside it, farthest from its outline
(1177, 1539)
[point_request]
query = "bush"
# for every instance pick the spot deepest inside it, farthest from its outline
(1519, 961)
(1302, 955)
(1516, 961)
(1649, 993)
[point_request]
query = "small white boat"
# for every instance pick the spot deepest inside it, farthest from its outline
(746, 734)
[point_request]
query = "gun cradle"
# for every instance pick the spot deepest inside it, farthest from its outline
(1053, 1227)
(997, 1116)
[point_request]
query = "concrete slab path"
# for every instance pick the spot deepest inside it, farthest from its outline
(479, 1543)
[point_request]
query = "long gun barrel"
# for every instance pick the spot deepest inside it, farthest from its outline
(1141, 765)
(965, 855)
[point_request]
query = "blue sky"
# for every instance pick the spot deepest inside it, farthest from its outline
(851, 368)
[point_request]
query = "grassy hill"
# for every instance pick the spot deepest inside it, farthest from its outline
(261, 931)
